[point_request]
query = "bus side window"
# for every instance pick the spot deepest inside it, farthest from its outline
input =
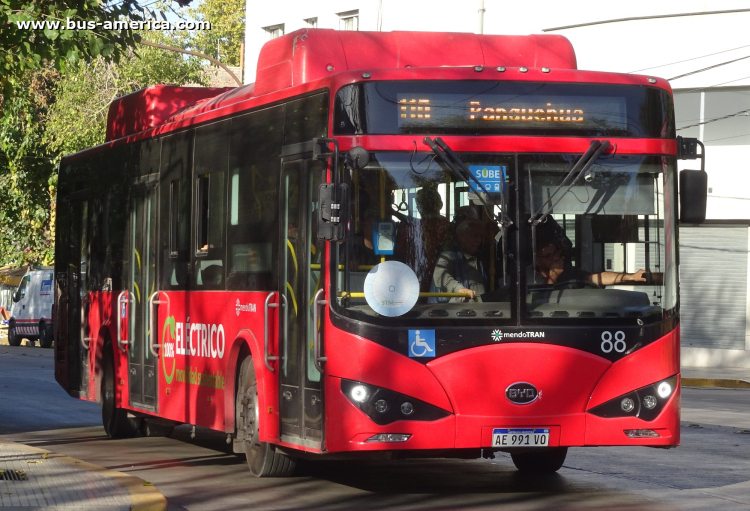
(254, 152)
(175, 218)
(210, 168)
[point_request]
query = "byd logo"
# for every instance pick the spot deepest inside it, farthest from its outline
(522, 393)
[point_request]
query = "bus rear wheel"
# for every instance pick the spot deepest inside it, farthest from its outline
(116, 422)
(542, 461)
(262, 459)
(13, 338)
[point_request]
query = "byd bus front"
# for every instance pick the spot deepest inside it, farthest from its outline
(510, 265)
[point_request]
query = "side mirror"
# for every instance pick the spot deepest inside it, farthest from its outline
(333, 213)
(358, 158)
(693, 196)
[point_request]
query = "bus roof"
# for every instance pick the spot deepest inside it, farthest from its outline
(311, 54)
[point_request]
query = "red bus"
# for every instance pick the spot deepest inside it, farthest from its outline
(417, 244)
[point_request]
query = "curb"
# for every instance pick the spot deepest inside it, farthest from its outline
(715, 382)
(144, 495)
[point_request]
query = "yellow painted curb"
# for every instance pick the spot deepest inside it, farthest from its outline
(715, 382)
(144, 495)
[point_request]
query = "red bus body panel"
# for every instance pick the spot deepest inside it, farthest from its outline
(196, 378)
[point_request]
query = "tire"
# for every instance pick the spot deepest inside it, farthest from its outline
(262, 459)
(45, 336)
(116, 422)
(13, 338)
(541, 461)
(152, 429)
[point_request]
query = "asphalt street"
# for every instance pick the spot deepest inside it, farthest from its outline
(710, 470)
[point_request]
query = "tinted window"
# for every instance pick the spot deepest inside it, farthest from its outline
(211, 148)
(254, 154)
(175, 168)
(306, 119)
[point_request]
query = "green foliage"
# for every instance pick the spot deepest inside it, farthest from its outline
(52, 114)
(227, 32)
(78, 117)
(55, 43)
(27, 177)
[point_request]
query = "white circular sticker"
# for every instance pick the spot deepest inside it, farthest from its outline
(391, 288)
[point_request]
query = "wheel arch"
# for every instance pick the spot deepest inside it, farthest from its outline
(246, 344)
(103, 348)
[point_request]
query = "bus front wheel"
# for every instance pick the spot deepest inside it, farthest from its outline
(262, 459)
(544, 461)
(116, 422)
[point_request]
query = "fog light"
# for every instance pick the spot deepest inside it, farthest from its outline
(627, 405)
(649, 402)
(389, 437)
(641, 433)
(407, 408)
(665, 390)
(359, 393)
(381, 405)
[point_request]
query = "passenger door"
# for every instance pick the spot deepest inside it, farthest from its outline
(78, 300)
(300, 277)
(140, 282)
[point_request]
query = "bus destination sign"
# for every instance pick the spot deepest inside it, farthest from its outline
(506, 111)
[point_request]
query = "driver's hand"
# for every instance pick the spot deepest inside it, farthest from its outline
(638, 276)
(472, 294)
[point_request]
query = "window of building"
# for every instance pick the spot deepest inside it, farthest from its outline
(311, 22)
(349, 20)
(274, 31)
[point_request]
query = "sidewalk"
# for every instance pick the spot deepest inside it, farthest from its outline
(35, 478)
(728, 377)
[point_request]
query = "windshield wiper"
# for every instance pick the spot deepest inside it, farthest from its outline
(581, 166)
(459, 168)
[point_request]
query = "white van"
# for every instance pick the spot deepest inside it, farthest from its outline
(31, 314)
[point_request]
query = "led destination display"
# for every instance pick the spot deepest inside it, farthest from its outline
(511, 111)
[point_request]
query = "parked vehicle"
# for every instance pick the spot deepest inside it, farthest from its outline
(31, 313)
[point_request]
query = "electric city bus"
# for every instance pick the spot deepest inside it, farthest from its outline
(391, 244)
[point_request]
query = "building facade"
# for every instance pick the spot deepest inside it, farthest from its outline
(699, 46)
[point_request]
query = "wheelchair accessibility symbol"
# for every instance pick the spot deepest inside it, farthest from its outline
(421, 343)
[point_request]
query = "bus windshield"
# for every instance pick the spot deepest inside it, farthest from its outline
(411, 209)
(606, 248)
(600, 250)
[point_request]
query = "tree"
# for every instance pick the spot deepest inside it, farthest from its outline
(52, 114)
(224, 40)
(27, 177)
(34, 35)
(78, 117)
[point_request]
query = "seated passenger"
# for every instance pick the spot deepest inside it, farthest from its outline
(553, 266)
(419, 241)
(461, 271)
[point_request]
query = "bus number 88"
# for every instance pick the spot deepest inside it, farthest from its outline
(619, 344)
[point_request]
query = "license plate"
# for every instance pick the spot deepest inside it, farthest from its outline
(528, 437)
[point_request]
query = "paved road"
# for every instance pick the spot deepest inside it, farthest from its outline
(711, 470)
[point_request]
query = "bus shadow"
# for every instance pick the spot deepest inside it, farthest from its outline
(435, 476)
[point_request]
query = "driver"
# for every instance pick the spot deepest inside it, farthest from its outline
(553, 266)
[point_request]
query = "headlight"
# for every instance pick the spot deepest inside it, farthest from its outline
(385, 406)
(645, 403)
